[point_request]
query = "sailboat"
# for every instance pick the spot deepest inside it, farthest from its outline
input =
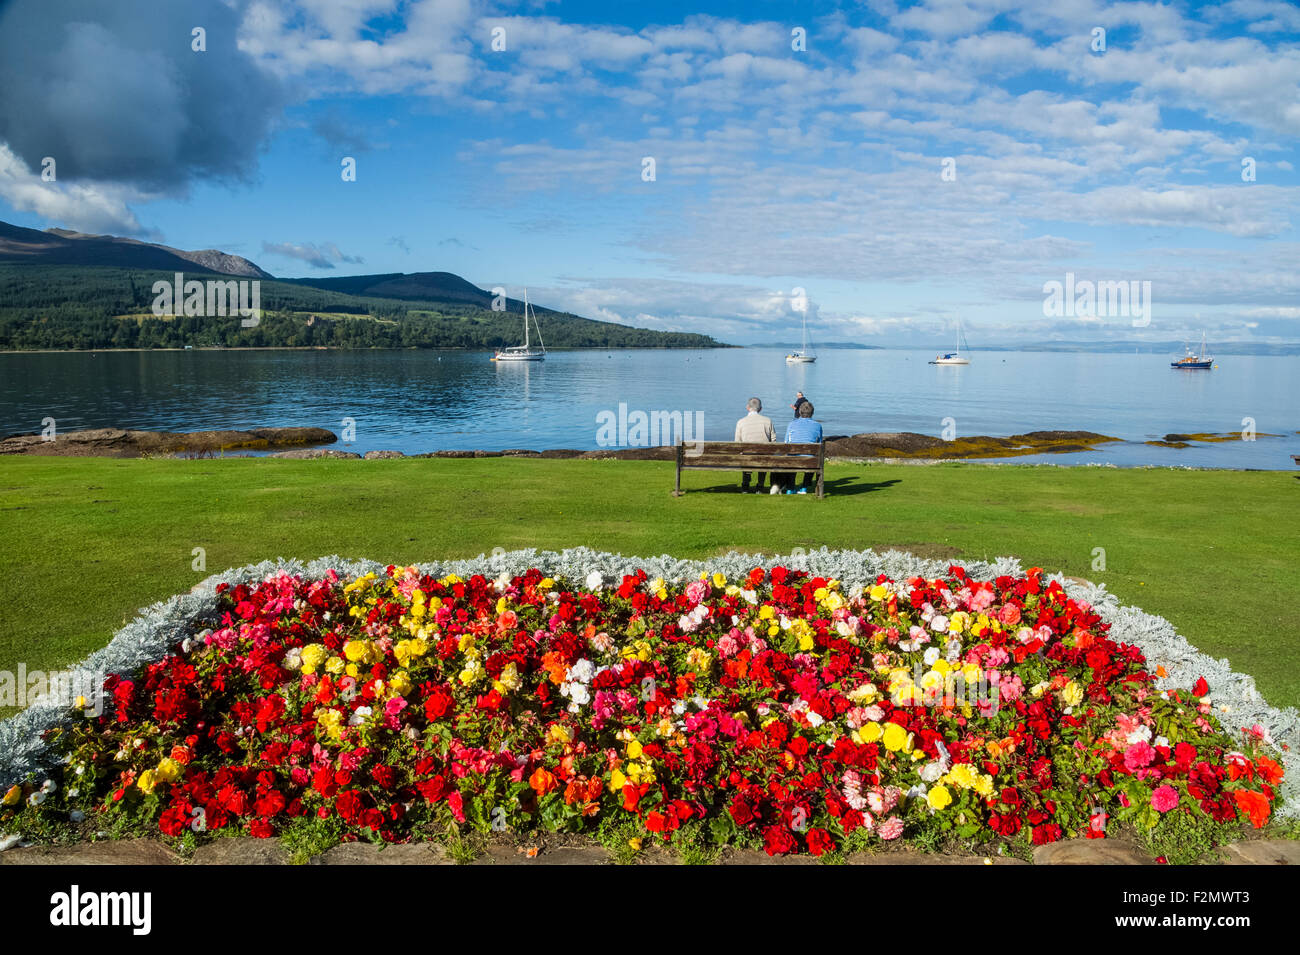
(1189, 360)
(527, 351)
(955, 357)
(804, 355)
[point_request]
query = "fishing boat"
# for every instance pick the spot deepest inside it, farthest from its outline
(955, 357)
(527, 351)
(804, 355)
(1189, 360)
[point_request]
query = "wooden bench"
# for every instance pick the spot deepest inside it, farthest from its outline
(740, 456)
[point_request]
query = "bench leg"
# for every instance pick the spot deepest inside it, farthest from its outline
(820, 484)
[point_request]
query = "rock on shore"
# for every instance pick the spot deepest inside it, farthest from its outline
(121, 443)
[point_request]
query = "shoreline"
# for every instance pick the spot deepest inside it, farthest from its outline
(313, 443)
(300, 442)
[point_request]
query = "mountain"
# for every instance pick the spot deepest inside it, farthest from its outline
(64, 247)
(68, 290)
(412, 287)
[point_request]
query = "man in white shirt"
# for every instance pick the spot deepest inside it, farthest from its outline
(754, 428)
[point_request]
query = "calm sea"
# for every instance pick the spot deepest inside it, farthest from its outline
(415, 401)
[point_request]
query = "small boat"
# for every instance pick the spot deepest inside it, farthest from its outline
(1194, 361)
(527, 351)
(954, 357)
(804, 355)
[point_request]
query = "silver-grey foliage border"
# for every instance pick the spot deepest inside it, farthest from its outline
(160, 627)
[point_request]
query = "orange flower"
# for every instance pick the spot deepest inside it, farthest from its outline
(1161, 671)
(1253, 804)
(542, 781)
(630, 797)
(553, 663)
(180, 754)
(1269, 771)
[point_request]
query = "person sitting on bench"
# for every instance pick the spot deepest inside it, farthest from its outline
(754, 428)
(802, 430)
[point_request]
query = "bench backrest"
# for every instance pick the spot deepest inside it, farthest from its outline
(724, 454)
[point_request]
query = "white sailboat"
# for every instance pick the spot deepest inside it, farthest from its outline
(527, 351)
(955, 357)
(804, 355)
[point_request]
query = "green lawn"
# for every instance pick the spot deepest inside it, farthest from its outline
(87, 541)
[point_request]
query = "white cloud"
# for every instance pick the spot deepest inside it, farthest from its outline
(81, 206)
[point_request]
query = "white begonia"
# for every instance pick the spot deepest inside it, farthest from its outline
(931, 656)
(594, 580)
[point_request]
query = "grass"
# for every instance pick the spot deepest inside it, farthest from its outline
(87, 541)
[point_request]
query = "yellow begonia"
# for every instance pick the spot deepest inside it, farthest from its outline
(766, 612)
(879, 592)
(895, 737)
(14, 796)
(355, 650)
(634, 749)
(719, 580)
(334, 665)
(168, 771)
(147, 781)
(1072, 694)
(331, 721)
(408, 650)
(871, 732)
(509, 680)
(361, 583)
(313, 655)
(400, 683)
(939, 797)
(617, 780)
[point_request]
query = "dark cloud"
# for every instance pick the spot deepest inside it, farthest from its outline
(340, 134)
(116, 94)
(324, 256)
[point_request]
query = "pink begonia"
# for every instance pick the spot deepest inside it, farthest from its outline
(696, 591)
(1138, 755)
(1164, 798)
(891, 828)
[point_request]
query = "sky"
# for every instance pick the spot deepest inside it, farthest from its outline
(882, 169)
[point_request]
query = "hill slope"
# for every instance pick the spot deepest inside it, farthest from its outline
(60, 306)
(63, 247)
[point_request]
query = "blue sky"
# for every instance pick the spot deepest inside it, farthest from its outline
(775, 168)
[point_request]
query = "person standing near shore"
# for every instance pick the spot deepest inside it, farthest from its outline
(754, 428)
(799, 402)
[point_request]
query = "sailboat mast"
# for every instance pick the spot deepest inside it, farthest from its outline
(525, 318)
(804, 348)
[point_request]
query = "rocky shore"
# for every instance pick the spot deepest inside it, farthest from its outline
(117, 443)
(121, 443)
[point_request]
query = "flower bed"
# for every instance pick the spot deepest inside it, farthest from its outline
(776, 709)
